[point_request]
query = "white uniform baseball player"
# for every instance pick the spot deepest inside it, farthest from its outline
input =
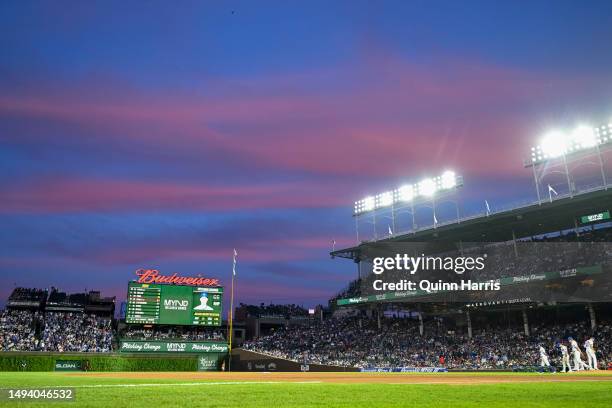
(590, 352)
(543, 357)
(565, 358)
(579, 365)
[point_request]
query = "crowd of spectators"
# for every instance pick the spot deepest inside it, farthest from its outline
(527, 258)
(173, 333)
(522, 258)
(358, 342)
(23, 330)
(272, 310)
(352, 290)
(76, 332)
(18, 330)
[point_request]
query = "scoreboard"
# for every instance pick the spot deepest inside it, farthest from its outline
(173, 304)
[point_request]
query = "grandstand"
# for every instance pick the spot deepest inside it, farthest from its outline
(364, 340)
(564, 242)
(42, 320)
(27, 298)
(39, 320)
(260, 320)
(396, 329)
(90, 302)
(560, 217)
(561, 220)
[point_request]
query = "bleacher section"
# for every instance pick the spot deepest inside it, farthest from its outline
(38, 320)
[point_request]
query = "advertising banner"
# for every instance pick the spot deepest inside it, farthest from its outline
(141, 346)
(68, 365)
(404, 370)
(207, 362)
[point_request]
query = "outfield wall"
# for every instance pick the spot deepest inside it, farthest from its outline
(44, 361)
(245, 360)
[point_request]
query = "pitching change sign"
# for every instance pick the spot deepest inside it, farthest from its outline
(128, 346)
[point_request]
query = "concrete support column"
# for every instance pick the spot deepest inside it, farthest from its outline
(525, 323)
(592, 317)
(469, 323)
(420, 323)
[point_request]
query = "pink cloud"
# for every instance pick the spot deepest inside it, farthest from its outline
(374, 119)
(264, 249)
(78, 194)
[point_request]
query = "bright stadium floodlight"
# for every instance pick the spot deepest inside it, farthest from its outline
(405, 193)
(365, 205)
(557, 144)
(584, 137)
(384, 199)
(448, 180)
(427, 187)
(554, 144)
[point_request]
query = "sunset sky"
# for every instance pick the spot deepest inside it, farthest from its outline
(164, 134)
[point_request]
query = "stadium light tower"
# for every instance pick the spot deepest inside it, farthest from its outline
(407, 196)
(563, 145)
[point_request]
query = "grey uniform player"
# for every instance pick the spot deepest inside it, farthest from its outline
(589, 348)
(565, 360)
(578, 363)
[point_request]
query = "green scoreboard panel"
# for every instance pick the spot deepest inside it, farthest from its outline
(173, 304)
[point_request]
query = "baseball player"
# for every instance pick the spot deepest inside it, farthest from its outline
(579, 365)
(564, 358)
(590, 352)
(544, 358)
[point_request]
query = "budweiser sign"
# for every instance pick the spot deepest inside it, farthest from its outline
(153, 276)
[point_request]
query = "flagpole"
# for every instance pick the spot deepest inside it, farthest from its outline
(550, 191)
(231, 324)
(433, 202)
(231, 315)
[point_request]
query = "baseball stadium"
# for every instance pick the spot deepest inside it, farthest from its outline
(294, 205)
(551, 259)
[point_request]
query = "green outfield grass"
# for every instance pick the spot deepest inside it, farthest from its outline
(115, 392)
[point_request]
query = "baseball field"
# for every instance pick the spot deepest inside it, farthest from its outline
(165, 389)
